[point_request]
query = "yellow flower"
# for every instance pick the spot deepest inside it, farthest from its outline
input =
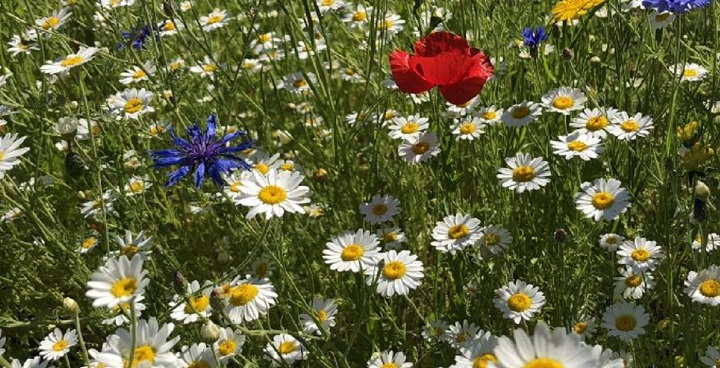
(573, 9)
(687, 132)
(696, 156)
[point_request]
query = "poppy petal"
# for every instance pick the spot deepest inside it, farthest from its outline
(407, 79)
(439, 42)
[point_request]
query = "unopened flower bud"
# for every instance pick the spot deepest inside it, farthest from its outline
(595, 60)
(320, 175)
(179, 283)
(567, 54)
(209, 332)
(560, 235)
(70, 306)
(702, 191)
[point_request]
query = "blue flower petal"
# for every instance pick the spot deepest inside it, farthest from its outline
(176, 175)
(199, 174)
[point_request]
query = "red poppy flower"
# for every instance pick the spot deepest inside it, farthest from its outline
(445, 60)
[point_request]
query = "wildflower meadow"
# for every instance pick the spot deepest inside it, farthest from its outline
(359, 183)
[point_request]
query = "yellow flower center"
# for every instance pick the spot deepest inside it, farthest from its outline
(690, 73)
(523, 174)
(129, 250)
(379, 209)
(386, 24)
(327, 2)
(243, 294)
(133, 105)
(640, 255)
(272, 194)
(633, 281)
(458, 231)
(543, 363)
(198, 304)
(662, 17)
(394, 270)
(215, 19)
(630, 126)
(287, 347)
(491, 239)
(467, 128)
(462, 337)
(625, 323)
(410, 127)
(51, 22)
(580, 328)
(520, 112)
(175, 65)
(139, 74)
(710, 288)
(210, 68)
(157, 129)
(489, 115)
(60, 345)
(145, 353)
(71, 61)
(389, 365)
(265, 38)
(199, 364)
(359, 16)
(137, 186)
(300, 83)
(227, 347)
(350, 71)
(322, 315)
(352, 252)
(563, 102)
(420, 147)
(484, 360)
(577, 146)
(603, 200)
(235, 187)
(390, 237)
(596, 123)
(263, 168)
(89, 242)
(287, 167)
(124, 287)
(519, 302)
(169, 26)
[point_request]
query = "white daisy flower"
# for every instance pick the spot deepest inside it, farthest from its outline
(137, 73)
(525, 173)
(396, 273)
(408, 127)
(196, 307)
(391, 24)
(493, 240)
(131, 103)
(435, 332)
(216, 19)
(704, 287)
(689, 72)
(229, 344)
(611, 242)
(420, 149)
(169, 27)
(594, 122)
(261, 268)
(640, 254)
(464, 109)
(22, 45)
(577, 144)
(625, 320)
(713, 242)
(130, 245)
(351, 251)
(265, 42)
(36, 362)
(207, 67)
(519, 300)
(388, 359)
(63, 66)
(118, 281)
(627, 128)
(545, 348)
(261, 161)
(660, 20)
(152, 347)
(392, 237)
(137, 185)
(602, 199)
(467, 128)
(10, 152)
(462, 334)
(284, 350)
(122, 312)
(478, 353)
(489, 115)
(632, 283)
(329, 5)
(54, 21)
(564, 100)
(196, 355)
(176, 64)
(57, 344)
(521, 114)
(298, 83)
(455, 232)
(583, 327)
(274, 194)
(323, 311)
(357, 17)
(249, 299)
(380, 209)
(112, 4)
(711, 358)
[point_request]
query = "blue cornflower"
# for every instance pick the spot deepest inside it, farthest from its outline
(533, 37)
(138, 37)
(203, 153)
(675, 6)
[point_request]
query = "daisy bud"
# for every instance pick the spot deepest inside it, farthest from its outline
(70, 306)
(567, 54)
(209, 332)
(179, 283)
(363, 168)
(560, 235)
(73, 105)
(595, 60)
(320, 175)
(702, 191)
